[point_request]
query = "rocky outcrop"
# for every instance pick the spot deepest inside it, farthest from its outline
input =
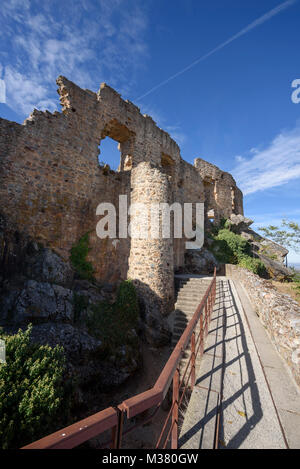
(200, 261)
(270, 253)
(276, 270)
(264, 246)
(38, 302)
(39, 287)
(157, 332)
(238, 223)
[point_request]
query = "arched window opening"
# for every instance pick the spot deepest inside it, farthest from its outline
(167, 164)
(109, 153)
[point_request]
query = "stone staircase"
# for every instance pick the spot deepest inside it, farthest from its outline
(191, 290)
(190, 293)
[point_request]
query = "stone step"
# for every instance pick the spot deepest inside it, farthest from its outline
(177, 331)
(186, 308)
(193, 287)
(189, 296)
(182, 322)
(195, 293)
(195, 279)
(194, 284)
(196, 296)
(187, 302)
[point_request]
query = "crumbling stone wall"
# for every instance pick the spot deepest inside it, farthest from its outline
(222, 196)
(51, 184)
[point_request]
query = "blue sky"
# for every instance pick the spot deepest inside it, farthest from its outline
(233, 107)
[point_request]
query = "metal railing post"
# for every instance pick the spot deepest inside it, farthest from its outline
(201, 335)
(193, 361)
(114, 437)
(117, 436)
(174, 437)
(206, 318)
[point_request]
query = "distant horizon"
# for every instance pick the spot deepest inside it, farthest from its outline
(296, 265)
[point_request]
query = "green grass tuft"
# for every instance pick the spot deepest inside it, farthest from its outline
(78, 256)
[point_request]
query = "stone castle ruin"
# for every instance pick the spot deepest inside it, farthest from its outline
(51, 184)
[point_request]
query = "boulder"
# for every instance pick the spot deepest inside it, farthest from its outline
(238, 223)
(156, 329)
(37, 302)
(78, 344)
(200, 261)
(276, 270)
(46, 265)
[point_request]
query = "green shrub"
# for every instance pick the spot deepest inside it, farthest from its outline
(214, 229)
(112, 322)
(127, 303)
(78, 258)
(33, 396)
(255, 265)
(230, 247)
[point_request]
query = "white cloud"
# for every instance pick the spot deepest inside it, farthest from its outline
(273, 166)
(176, 133)
(27, 90)
(239, 158)
(100, 41)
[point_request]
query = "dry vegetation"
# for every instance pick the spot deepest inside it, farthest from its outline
(289, 288)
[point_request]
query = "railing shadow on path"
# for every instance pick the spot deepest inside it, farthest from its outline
(247, 382)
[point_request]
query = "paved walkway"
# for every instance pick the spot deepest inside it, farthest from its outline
(242, 382)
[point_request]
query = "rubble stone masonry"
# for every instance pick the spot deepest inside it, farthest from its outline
(278, 312)
(51, 183)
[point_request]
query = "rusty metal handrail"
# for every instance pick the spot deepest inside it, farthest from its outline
(79, 432)
(112, 419)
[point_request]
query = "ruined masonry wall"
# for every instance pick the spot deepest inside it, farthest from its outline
(51, 184)
(221, 192)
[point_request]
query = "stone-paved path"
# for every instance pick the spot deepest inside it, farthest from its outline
(232, 384)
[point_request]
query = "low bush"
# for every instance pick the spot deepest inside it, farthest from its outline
(34, 397)
(231, 248)
(255, 265)
(78, 256)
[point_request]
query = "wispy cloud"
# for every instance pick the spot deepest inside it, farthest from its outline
(176, 133)
(175, 130)
(94, 41)
(273, 166)
(262, 19)
(239, 158)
